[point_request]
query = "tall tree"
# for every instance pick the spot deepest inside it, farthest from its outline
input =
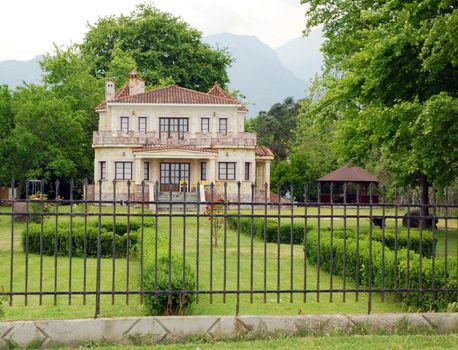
(46, 142)
(310, 155)
(162, 45)
(274, 128)
(393, 81)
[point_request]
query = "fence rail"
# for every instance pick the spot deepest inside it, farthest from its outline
(228, 251)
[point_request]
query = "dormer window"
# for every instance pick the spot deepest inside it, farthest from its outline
(125, 124)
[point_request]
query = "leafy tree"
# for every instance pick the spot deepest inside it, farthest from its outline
(391, 84)
(274, 127)
(46, 141)
(120, 65)
(311, 154)
(163, 46)
(6, 113)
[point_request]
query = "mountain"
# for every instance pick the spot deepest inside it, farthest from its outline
(14, 72)
(264, 75)
(302, 55)
(257, 72)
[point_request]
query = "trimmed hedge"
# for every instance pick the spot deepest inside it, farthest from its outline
(77, 243)
(271, 227)
(389, 237)
(386, 278)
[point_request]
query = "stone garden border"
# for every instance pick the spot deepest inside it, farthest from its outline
(167, 329)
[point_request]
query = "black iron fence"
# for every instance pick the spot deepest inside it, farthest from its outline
(169, 251)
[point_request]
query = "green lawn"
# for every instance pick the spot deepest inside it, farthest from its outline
(205, 305)
(354, 342)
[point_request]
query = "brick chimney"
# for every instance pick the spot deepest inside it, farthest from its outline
(136, 85)
(109, 90)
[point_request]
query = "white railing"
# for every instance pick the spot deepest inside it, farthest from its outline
(243, 139)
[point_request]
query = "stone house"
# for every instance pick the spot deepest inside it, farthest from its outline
(182, 139)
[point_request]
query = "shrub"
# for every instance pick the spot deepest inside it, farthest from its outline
(48, 235)
(164, 303)
(271, 228)
(385, 268)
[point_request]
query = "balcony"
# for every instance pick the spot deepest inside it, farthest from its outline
(135, 138)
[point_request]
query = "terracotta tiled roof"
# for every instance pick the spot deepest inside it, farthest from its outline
(122, 92)
(174, 147)
(217, 90)
(350, 174)
(263, 151)
(174, 94)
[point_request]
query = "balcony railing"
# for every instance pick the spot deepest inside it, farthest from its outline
(242, 139)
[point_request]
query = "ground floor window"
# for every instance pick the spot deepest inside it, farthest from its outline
(247, 171)
(103, 170)
(226, 170)
(203, 171)
(146, 171)
(123, 170)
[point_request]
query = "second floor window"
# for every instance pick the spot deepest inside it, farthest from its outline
(125, 124)
(142, 124)
(205, 124)
(170, 125)
(226, 170)
(103, 170)
(123, 170)
(223, 126)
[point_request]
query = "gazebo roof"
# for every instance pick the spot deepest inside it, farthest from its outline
(348, 174)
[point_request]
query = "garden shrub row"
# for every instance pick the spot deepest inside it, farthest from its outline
(271, 228)
(409, 240)
(405, 239)
(388, 271)
(108, 239)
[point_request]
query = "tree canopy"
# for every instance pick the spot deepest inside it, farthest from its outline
(161, 45)
(391, 84)
(274, 128)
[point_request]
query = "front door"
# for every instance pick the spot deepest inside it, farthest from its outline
(175, 177)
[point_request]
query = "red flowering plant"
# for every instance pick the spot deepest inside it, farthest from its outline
(38, 205)
(216, 222)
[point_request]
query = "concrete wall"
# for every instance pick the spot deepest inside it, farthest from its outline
(111, 119)
(153, 330)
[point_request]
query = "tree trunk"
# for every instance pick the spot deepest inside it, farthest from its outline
(424, 193)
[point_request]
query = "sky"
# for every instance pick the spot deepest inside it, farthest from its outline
(31, 27)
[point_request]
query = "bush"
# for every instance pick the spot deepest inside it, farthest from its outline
(405, 239)
(179, 302)
(119, 240)
(271, 228)
(174, 303)
(384, 267)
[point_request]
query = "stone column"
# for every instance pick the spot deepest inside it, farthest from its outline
(211, 171)
(138, 170)
(267, 176)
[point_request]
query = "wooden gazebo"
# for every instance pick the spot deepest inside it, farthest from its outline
(357, 182)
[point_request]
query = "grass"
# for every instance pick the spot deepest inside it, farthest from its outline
(373, 342)
(291, 264)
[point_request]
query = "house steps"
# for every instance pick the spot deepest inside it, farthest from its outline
(178, 199)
